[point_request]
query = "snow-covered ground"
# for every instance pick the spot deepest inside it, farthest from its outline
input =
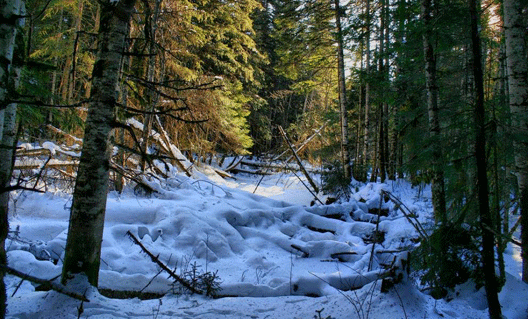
(247, 240)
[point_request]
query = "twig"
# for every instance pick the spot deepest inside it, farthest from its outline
(163, 266)
(17, 287)
(401, 301)
(46, 284)
(39, 175)
(151, 280)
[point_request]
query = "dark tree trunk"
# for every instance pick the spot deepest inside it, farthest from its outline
(366, 123)
(488, 240)
(345, 152)
(438, 187)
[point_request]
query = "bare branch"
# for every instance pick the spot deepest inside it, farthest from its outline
(46, 284)
(164, 113)
(163, 266)
(40, 103)
(17, 187)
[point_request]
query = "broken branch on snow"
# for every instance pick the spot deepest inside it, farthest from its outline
(155, 259)
(46, 284)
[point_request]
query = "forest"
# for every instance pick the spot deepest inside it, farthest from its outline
(163, 99)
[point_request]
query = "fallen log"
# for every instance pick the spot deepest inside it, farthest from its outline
(73, 139)
(305, 254)
(247, 171)
(339, 256)
(127, 174)
(277, 167)
(55, 165)
(397, 272)
(172, 150)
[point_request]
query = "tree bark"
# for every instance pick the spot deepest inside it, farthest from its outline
(383, 71)
(152, 18)
(11, 18)
(488, 238)
(345, 154)
(517, 65)
(438, 187)
(85, 231)
(366, 122)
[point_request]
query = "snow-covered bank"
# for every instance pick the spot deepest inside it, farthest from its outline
(247, 238)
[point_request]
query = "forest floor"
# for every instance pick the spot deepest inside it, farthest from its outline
(210, 225)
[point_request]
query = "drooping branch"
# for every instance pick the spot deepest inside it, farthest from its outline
(19, 187)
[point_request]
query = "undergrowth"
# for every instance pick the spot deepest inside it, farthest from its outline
(206, 281)
(334, 181)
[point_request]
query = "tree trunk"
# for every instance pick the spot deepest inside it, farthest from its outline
(6, 155)
(85, 231)
(488, 238)
(438, 188)
(383, 69)
(72, 80)
(401, 89)
(366, 122)
(150, 95)
(11, 13)
(345, 154)
(517, 64)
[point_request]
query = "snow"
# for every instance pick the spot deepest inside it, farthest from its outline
(247, 239)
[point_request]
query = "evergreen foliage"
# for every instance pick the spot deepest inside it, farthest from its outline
(449, 257)
(335, 183)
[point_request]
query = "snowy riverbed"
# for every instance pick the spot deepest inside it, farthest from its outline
(247, 240)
